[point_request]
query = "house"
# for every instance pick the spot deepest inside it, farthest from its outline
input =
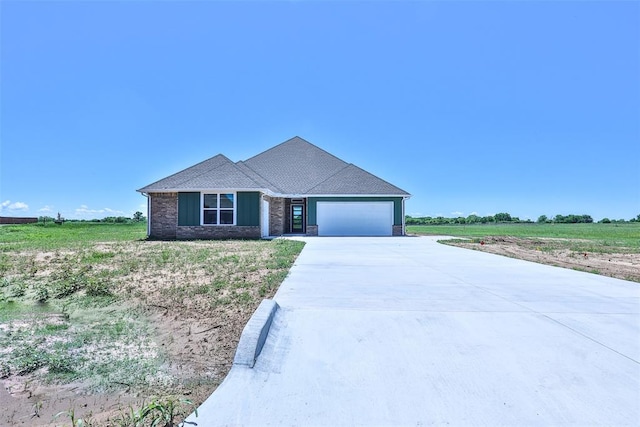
(292, 188)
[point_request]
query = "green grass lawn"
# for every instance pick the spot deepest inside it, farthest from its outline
(625, 236)
(53, 236)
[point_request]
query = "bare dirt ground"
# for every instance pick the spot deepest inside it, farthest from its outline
(559, 252)
(196, 328)
(200, 345)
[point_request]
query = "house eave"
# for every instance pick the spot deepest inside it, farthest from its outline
(200, 190)
(405, 196)
(268, 192)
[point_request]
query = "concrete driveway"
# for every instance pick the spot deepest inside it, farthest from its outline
(406, 331)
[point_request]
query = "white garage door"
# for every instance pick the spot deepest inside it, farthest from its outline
(354, 218)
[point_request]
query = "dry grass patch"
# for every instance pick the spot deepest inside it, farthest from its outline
(598, 257)
(116, 323)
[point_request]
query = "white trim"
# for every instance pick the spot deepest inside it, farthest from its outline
(264, 218)
(200, 190)
(404, 225)
(293, 196)
(148, 213)
(270, 193)
(218, 209)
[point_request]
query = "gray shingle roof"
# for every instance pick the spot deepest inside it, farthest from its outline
(356, 181)
(215, 173)
(295, 167)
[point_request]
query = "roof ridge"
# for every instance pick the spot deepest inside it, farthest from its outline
(328, 178)
(360, 169)
(208, 170)
(381, 179)
(242, 162)
(291, 139)
(269, 149)
(190, 167)
(235, 165)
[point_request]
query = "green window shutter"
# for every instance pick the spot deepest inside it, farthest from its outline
(188, 208)
(248, 208)
(397, 211)
(312, 210)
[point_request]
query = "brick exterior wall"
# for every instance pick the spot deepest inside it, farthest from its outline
(287, 216)
(218, 232)
(164, 215)
(164, 223)
(276, 216)
(397, 230)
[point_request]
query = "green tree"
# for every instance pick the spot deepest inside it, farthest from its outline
(137, 217)
(586, 219)
(560, 218)
(472, 219)
(502, 217)
(542, 219)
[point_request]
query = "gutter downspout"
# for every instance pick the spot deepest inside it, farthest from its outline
(148, 212)
(404, 225)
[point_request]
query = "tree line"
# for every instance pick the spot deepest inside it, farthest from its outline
(504, 217)
(137, 217)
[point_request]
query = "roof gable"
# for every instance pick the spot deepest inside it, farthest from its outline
(227, 175)
(216, 172)
(356, 181)
(295, 166)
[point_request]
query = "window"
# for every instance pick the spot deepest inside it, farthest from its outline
(218, 209)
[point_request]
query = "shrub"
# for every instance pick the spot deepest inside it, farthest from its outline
(28, 359)
(18, 289)
(42, 293)
(98, 287)
(5, 282)
(64, 288)
(60, 363)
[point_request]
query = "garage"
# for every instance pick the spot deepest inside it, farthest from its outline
(355, 218)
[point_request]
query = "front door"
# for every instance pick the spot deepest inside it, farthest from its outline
(297, 218)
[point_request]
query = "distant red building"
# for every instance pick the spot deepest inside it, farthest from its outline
(17, 220)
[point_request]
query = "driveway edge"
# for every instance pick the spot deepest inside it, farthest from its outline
(255, 334)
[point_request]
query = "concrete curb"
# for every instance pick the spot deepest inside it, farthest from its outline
(255, 334)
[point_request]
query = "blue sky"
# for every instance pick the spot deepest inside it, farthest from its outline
(478, 107)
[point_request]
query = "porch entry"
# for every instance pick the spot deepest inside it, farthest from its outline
(297, 217)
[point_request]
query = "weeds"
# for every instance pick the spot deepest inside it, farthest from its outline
(610, 257)
(97, 287)
(42, 293)
(4, 264)
(75, 422)
(601, 237)
(18, 289)
(27, 359)
(165, 412)
(77, 310)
